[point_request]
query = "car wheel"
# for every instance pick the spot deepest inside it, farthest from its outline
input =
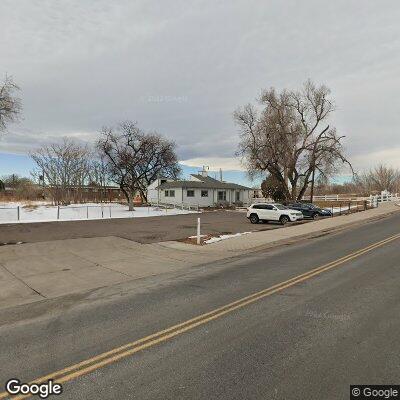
(284, 220)
(254, 219)
(316, 216)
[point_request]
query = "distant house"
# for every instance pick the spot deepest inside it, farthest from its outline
(200, 190)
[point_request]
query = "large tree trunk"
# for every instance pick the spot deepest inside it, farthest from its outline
(304, 187)
(143, 195)
(130, 203)
(283, 181)
(129, 198)
(293, 188)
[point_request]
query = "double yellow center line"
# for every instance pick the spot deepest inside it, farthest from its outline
(109, 357)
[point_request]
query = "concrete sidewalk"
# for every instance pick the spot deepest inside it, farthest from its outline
(37, 271)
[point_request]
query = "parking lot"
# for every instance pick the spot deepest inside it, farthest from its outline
(143, 230)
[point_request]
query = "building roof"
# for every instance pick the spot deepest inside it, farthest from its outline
(204, 182)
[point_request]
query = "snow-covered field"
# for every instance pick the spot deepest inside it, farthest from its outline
(338, 210)
(40, 212)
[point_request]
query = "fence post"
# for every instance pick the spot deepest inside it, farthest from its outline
(340, 208)
(18, 213)
(349, 207)
(87, 212)
(110, 210)
(58, 212)
(198, 230)
(102, 211)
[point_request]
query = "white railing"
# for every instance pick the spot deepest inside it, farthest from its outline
(331, 197)
(383, 197)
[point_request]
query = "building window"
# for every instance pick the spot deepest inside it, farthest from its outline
(237, 196)
(204, 193)
(170, 193)
(190, 193)
(221, 195)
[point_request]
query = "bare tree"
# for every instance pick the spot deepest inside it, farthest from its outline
(289, 138)
(136, 158)
(10, 105)
(64, 168)
(98, 173)
(379, 178)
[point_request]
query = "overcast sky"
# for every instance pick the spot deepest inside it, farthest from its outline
(182, 67)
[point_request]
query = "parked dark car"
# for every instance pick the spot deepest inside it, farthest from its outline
(310, 210)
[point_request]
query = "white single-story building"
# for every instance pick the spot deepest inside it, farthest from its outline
(200, 190)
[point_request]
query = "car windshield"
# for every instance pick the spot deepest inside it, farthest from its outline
(280, 207)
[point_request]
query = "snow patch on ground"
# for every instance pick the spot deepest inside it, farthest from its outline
(195, 236)
(337, 210)
(41, 212)
(224, 237)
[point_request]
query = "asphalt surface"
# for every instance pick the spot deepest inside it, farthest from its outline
(308, 341)
(143, 230)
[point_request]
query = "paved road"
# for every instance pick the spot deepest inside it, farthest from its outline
(310, 339)
(143, 230)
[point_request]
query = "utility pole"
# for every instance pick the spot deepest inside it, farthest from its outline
(158, 190)
(286, 178)
(312, 184)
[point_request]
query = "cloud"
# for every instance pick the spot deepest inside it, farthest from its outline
(388, 157)
(25, 141)
(215, 163)
(182, 71)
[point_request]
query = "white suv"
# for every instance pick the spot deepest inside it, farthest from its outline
(272, 212)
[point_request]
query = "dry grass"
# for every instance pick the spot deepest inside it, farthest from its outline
(344, 204)
(30, 206)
